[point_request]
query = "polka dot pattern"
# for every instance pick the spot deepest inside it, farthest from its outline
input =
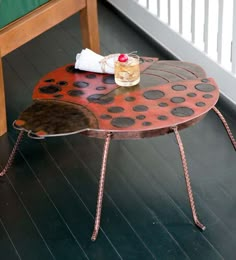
(75, 93)
(91, 76)
(109, 79)
(140, 108)
(205, 87)
(153, 94)
(178, 87)
(51, 89)
(115, 109)
(177, 99)
(192, 94)
(81, 84)
(163, 104)
(182, 111)
(156, 104)
(129, 99)
(122, 122)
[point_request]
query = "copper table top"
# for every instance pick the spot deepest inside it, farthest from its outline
(69, 101)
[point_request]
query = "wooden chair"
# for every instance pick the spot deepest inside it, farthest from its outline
(38, 21)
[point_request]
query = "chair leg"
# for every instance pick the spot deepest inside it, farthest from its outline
(187, 180)
(226, 126)
(101, 187)
(3, 118)
(89, 26)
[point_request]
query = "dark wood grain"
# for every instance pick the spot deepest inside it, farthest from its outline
(48, 198)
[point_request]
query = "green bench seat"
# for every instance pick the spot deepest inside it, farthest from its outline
(11, 10)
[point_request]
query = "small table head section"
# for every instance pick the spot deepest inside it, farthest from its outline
(69, 101)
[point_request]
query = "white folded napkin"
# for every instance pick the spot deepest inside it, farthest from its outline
(90, 61)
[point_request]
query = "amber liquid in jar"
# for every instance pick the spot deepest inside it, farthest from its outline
(127, 73)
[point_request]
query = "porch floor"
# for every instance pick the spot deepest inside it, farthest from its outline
(48, 197)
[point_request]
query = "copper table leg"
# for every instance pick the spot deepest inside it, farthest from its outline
(101, 187)
(226, 126)
(187, 180)
(12, 155)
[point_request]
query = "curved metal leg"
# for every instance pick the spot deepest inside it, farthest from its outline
(101, 188)
(12, 155)
(226, 126)
(187, 180)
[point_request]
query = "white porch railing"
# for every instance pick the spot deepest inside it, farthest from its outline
(202, 31)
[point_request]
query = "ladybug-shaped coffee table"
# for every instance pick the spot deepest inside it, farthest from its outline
(171, 95)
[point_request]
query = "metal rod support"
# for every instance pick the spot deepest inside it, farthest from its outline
(230, 134)
(187, 180)
(12, 155)
(101, 187)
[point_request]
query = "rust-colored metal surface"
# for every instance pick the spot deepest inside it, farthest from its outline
(170, 96)
(69, 101)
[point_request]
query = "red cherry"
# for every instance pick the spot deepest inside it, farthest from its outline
(123, 57)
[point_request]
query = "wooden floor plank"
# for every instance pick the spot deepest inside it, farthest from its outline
(116, 191)
(156, 198)
(8, 248)
(64, 199)
(90, 198)
(48, 202)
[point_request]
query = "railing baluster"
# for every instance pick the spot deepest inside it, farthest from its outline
(181, 16)
(206, 25)
(147, 4)
(220, 30)
(233, 50)
(193, 7)
(169, 12)
(158, 8)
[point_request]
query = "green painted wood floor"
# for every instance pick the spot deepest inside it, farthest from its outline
(48, 198)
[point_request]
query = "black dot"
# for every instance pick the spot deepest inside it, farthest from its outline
(182, 111)
(109, 79)
(200, 104)
(100, 88)
(75, 93)
(62, 83)
(122, 122)
(205, 87)
(153, 94)
(115, 109)
(163, 104)
(140, 108)
(177, 100)
(179, 87)
(80, 84)
(49, 89)
(58, 96)
(106, 117)
(91, 76)
(207, 96)
(49, 80)
(205, 80)
(100, 99)
(140, 117)
(149, 60)
(191, 94)
(72, 69)
(162, 117)
(146, 123)
(130, 99)
(141, 60)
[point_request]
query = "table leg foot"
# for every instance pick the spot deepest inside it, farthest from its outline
(187, 180)
(12, 155)
(101, 187)
(226, 126)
